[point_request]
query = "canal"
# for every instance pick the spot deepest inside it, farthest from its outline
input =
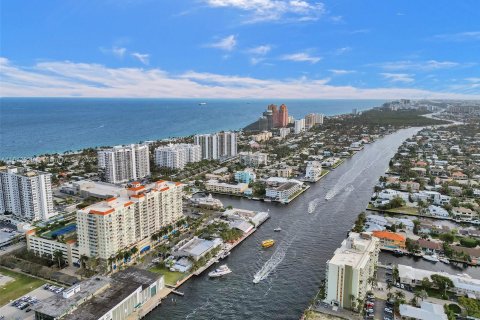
(312, 228)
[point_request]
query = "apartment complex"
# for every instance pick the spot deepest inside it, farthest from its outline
(283, 132)
(217, 145)
(27, 194)
(299, 126)
(253, 159)
(118, 223)
(221, 187)
(176, 156)
(350, 268)
(312, 119)
(124, 163)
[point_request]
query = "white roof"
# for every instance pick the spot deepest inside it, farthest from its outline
(427, 311)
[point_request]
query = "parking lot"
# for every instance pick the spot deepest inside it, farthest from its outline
(22, 308)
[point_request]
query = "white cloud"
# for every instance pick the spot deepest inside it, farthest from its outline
(341, 71)
(459, 37)
(273, 10)
(418, 65)
(474, 80)
(142, 57)
(301, 57)
(118, 52)
(260, 50)
(343, 50)
(399, 77)
(228, 43)
(69, 79)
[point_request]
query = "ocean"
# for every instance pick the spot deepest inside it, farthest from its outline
(35, 126)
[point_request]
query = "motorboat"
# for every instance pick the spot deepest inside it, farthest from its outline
(224, 255)
(256, 279)
(277, 229)
(444, 260)
(432, 258)
(268, 243)
(202, 103)
(221, 271)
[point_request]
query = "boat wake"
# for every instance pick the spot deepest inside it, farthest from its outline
(273, 262)
(312, 205)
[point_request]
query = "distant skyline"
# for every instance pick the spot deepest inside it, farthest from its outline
(240, 49)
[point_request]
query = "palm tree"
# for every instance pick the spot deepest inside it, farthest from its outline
(423, 294)
(58, 256)
(83, 260)
(399, 295)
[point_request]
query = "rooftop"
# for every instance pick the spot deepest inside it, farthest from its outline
(355, 250)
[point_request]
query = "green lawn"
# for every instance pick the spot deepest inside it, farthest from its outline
(170, 277)
(21, 285)
(406, 210)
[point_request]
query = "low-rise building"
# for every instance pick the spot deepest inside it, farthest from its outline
(463, 284)
(464, 214)
(46, 248)
(102, 298)
(313, 171)
(222, 187)
(245, 176)
(427, 311)
(281, 189)
(197, 248)
(390, 240)
(285, 172)
(262, 136)
(349, 269)
(253, 159)
(438, 211)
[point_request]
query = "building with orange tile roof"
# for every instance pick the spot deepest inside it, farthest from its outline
(390, 240)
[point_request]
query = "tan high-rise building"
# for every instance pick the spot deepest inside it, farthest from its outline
(107, 227)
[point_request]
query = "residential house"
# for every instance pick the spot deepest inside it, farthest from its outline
(390, 240)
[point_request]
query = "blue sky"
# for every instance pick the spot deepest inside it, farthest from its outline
(240, 48)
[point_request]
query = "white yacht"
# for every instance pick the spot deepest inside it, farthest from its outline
(444, 260)
(256, 279)
(432, 258)
(221, 271)
(277, 229)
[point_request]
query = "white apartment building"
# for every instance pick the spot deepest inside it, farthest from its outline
(313, 172)
(27, 194)
(299, 126)
(350, 268)
(176, 156)
(217, 145)
(115, 224)
(283, 132)
(221, 187)
(124, 163)
(255, 159)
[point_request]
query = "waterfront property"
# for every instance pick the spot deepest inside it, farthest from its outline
(390, 240)
(102, 297)
(176, 156)
(464, 285)
(282, 189)
(222, 187)
(115, 224)
(349, 270)
(46, 247)
(197, 248)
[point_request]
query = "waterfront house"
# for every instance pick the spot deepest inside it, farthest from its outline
(197, 248)
(281, 189)
(221, 187)
(438, 211)
(376, 219)
(390, 240)
(410, 186)
(429, 246)
(464, 214)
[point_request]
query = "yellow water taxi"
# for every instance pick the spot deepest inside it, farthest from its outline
(268, 243)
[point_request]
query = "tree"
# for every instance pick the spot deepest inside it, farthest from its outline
(58, 257)
(426, 283)
(442, 283)
(423, 294)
